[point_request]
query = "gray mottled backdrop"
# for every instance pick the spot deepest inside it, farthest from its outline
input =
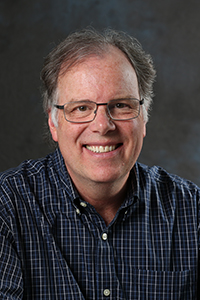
(169, 30)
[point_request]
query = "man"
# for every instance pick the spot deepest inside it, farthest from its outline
(88, 221)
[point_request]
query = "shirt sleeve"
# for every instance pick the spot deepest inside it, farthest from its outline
(11, 284)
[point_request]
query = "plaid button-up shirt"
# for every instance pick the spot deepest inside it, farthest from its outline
(53, 245)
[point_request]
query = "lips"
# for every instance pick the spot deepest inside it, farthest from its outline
(102, 149)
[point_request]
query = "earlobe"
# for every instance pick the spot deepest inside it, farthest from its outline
(52, 128)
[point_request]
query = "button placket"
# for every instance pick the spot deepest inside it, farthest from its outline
(107, 283)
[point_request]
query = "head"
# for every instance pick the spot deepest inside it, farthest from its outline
(98, 67)
(78, 46)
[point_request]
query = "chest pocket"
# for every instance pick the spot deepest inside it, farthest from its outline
(166, 285)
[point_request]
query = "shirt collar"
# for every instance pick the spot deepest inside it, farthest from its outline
(60, 166)
(133, 188)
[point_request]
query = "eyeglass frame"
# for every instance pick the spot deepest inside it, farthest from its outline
(141, 102)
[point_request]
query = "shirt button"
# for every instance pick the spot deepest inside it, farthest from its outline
(106, 292)
(78, 211)
(104, 236)
(83, 204)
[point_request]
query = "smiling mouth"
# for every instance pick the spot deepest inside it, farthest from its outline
(102, 149)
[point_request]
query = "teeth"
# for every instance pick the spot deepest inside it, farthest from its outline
(101, 149)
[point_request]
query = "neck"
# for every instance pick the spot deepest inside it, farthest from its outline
(105, 197)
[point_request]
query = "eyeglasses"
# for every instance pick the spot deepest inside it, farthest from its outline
(85, 110)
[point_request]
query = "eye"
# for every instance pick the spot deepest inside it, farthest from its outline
(121, 105)
(79, 107)
(82, 108)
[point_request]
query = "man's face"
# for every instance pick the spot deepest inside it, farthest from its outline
(100, 80)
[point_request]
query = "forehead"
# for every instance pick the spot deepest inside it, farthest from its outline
(110, 53)
(110, 70)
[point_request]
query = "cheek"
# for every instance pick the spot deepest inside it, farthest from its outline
(70, 134)
(134, 134)
(136, 129)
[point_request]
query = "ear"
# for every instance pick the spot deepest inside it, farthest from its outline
(144, 129)
(144, 117)
(52, 127)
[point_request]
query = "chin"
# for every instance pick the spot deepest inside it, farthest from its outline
(104, 177)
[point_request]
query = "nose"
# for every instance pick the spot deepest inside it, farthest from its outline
(102, 122)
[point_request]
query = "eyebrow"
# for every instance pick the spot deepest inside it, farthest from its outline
(121, 98)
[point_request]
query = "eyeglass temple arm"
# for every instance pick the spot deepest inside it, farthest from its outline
(59, 106)
(141, 101)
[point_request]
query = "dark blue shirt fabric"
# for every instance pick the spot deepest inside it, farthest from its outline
(54, 245)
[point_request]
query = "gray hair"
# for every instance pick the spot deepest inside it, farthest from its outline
(89, 42)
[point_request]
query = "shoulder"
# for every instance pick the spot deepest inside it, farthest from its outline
(167, 193)
(35, 184)
(158, 176)
(22, 181)
(27, 169)
(24, 189)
